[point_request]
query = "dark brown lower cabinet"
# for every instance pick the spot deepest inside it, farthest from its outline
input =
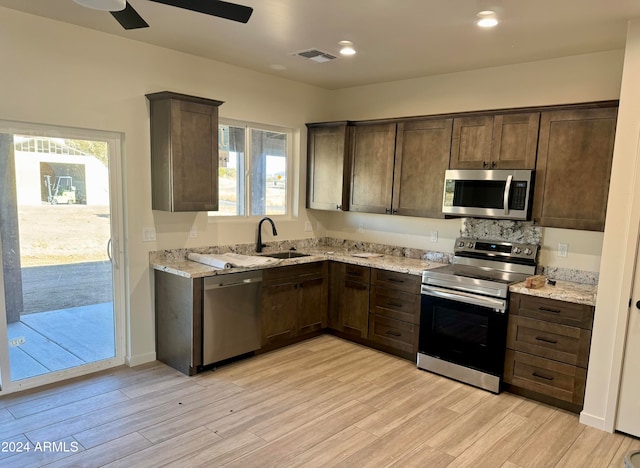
(349, 299)
(178, 321)
(294, 302)
(394, 312)
(548, 350)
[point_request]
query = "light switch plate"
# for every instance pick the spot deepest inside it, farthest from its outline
(148, 234)
(434, 236)
(307, 226)
(193, 232)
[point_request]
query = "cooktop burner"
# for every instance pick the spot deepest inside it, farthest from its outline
(485, 267)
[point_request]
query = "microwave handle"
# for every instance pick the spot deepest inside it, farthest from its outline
(507, 190)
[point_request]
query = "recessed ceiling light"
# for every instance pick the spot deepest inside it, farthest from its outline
(346, 48)
(487, 19)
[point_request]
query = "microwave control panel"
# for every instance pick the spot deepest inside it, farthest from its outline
(518, 196)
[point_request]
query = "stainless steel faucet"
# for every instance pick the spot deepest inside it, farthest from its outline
(259, 244)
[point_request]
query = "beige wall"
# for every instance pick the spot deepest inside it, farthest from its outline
(619, 250)
(59, 74)
(583, 78)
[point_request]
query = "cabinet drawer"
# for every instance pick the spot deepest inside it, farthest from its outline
(567, 313)
(357, 273)
(395, 304)
(393, 333)
(395, 280)
(549, 340)
(293, 273)
(546, 377)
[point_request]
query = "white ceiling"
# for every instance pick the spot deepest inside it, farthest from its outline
(395, 39)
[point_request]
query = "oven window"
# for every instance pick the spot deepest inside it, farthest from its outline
(458, 325)
(469, 335)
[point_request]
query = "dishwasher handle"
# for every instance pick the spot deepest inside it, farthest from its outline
(232, 282)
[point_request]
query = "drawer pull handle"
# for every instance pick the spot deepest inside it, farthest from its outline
(392, 333)
(535, 374)
(394, 304)
(396, 280)
(546, 340)
(547, 309)
(359, 287)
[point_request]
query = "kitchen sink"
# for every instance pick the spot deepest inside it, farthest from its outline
(287, 254)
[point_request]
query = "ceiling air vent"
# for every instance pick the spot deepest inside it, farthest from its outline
(316, 55)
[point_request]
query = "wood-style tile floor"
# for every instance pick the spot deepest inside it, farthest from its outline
(323, 402)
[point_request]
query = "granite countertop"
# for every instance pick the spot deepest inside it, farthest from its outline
(412, 266)
(563, 291)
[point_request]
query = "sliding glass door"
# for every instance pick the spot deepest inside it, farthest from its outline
(59, 234)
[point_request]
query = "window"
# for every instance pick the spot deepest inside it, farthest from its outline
(253, 169)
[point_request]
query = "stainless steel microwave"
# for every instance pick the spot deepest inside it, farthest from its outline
(492, 193)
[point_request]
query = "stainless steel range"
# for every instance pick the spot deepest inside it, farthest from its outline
(463, 315)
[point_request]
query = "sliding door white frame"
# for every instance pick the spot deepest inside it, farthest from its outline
(118, 248)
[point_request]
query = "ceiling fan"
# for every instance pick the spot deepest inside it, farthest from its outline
(129, 18)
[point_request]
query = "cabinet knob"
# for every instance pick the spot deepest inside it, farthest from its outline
(485, 164)
(338, 207)
(638, 305)
(493, 164)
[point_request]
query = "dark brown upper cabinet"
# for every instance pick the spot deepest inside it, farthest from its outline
(327, 166)
(574, 167)
(500, 141)
(372, 156)
(184, 152)
(423, 148)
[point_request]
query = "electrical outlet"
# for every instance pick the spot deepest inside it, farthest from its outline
(307, 226)
(193, 233)
(563, 249)
(434, 236)
(360, 227)
(148, 234)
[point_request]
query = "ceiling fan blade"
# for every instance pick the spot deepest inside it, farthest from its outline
(226, 10)
(129, 18)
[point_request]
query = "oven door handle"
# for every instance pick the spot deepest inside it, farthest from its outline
(495, 304)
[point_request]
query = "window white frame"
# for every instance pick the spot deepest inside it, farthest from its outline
(290, 167)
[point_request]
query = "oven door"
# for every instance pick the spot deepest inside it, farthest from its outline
(465, 329)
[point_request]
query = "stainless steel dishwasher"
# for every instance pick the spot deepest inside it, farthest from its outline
(231, 324)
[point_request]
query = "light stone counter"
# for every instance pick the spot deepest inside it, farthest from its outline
(190, 269)
(394, 258)
(563, 291)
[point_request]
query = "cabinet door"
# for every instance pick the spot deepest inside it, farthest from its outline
(373, 148)
(422, 156)
(312, 305)
(515, 141)
(279, 312)
(574, 167)
(355, 308)
(184, 152)
(471, 142)
(327, 184)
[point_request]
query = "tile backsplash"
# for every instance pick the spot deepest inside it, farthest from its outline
(508, 231)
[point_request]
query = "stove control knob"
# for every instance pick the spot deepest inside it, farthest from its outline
(461, 244)
(516, 250)
(527, 251)
(469, 244)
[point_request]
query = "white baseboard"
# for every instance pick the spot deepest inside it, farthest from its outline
(593, 421)
(133, 361)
